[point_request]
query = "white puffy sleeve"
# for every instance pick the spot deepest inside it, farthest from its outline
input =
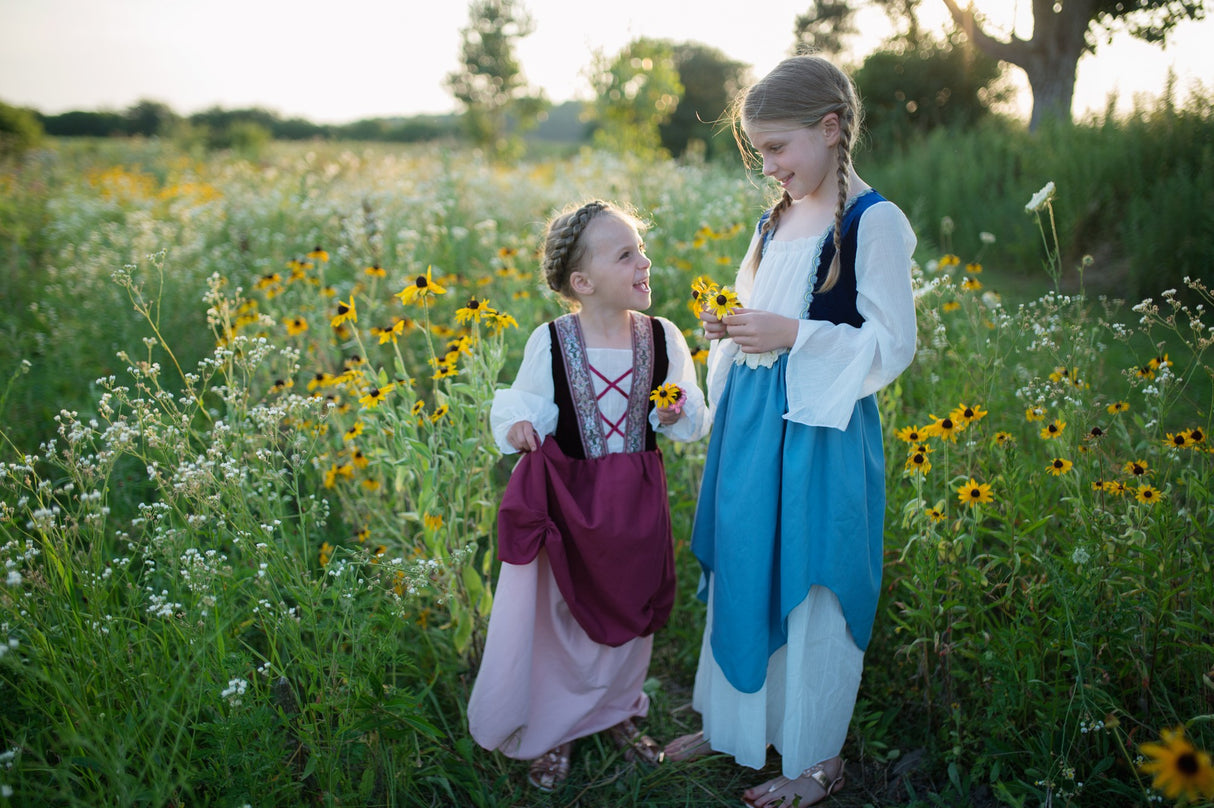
(530, 398)
(831, 367)
(682, 371)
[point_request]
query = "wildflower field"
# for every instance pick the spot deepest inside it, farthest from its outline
(248, 496)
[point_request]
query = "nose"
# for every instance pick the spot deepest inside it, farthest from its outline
(769, 166)
(645, 262)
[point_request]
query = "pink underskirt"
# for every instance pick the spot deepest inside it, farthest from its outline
(542, 680)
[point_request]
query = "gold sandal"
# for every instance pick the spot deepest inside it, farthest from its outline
(636, 745)
(550, 769)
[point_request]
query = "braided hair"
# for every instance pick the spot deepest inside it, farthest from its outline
(564, 247)
(804, 89)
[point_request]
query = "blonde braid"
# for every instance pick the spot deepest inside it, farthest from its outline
(562, 251)
(769, 226)
(842, 175)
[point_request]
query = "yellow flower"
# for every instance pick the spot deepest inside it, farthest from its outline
(1136, 468)
(949, 260)
(1178, 440)
(1054, 429)
(700, 355)
(918, 463)
(419, 407)
(376, 271)
(353, 432)
(360, 460)
(1034, 414)
(499, 322)
(668, 395)
(1002, 438)
(1115, 487)
(363, 534)
(944, 428)
(702, 288)
(433, 521)
(295, 326)
(1117, 406)
(1179, 768)
(967, 415)
(974, 493)
(910, 434)
(422, 286)
(390, 333)
(318, 254)
(474, 310)
(372, 398)
(443, 369)
(1147, 494)
(936, 513)
(1059, 466)
(722, 302)
(971, 284)
(440, 412)
(345, 311)
(1196, 435)
(951, 305)
(973, 268)
(326, 552)
(1160, 362)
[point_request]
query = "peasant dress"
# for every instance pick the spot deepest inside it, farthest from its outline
(544, 678)
(789, 523)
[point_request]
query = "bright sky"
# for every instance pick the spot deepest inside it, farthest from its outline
(337, 62)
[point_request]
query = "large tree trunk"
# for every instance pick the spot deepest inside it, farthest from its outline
(1049, 58)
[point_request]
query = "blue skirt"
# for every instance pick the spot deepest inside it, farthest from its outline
(784, 506)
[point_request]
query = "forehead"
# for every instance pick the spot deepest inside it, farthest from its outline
(610, 230)
(763, 131)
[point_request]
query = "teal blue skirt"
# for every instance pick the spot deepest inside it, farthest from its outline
(784, 506)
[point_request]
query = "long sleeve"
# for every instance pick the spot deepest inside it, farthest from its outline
(530, 398)
(831, 366)
(696, 418)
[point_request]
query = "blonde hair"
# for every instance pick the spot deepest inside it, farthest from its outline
(564, 249)
(802, 89)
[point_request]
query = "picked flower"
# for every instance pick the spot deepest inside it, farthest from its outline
(702, 287)
(722, 302)
(669, 396)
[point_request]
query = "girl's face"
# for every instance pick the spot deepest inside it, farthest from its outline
(800, 158)
(615, 270)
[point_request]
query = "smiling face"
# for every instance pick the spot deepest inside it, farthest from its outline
(800, 158)
(614, 272)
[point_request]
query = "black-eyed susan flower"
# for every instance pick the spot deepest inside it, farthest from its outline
(1034, 414)
(345, 311)
(474, 310)
(1059, 466)
(418, 408)
(936, 512)
(374, 396)
(971, 284)
(295, 326)
(911, 434)
(1160, 362)
(1180, 770)
(422, 287)
(359, 459)
(722, 302)
(973, 268)
(1095, 433)
(326, 552)
(281, 385)
(375, 271)
(389, 333)
(1002, 438)
(1115, 487)
(440, 412)
(1196, 436)
(318, 254)
(499, 322)
(949, 260)
(701, 288)
(1117, 407)
(432, 521)
(1147, 494)
(443, 369)
(1176, 440)
(700, 354)
(944, 428)
(918, 463)
(363, 534)
(967, 414)
(951, 305)
(353, 432)
(370, 485)
(974, 493)
(1053, 429)
(1136, 468)
(669, 396)
(320, 380)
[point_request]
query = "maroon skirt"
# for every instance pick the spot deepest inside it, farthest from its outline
(605, 524)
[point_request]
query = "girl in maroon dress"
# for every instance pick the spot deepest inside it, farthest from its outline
(584, 526)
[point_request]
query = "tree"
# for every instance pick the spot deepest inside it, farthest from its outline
(825, 28)
(490, 84)
(1064, 30)
(636, 92)
(710, 81)
(20, 129)
(149, 119)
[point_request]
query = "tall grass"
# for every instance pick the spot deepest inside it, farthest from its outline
(248, 495)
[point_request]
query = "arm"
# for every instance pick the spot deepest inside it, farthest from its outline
(525, 412)
(830, 366)
(695, 419)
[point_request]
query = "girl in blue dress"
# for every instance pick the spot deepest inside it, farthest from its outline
(789, 523)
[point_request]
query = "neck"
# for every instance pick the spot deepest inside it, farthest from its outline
(606, 328)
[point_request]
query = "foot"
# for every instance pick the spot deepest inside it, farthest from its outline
(636, 746)
(550, 769)
(814, 785)
(688, 747)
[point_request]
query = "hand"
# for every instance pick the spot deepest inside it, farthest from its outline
(523, 437)
(758, 331)
(713, 328)
(668, 415)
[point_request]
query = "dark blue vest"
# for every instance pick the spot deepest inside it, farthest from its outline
(839, 304)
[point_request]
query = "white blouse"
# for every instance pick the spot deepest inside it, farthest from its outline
(831, 367)
(530, 398)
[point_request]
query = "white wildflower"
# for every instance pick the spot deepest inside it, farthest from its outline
(1041, 198)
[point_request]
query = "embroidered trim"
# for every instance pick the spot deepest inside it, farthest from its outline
(581, 384)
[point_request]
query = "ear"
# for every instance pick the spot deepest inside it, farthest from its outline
(581, 284)
(830, 128)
